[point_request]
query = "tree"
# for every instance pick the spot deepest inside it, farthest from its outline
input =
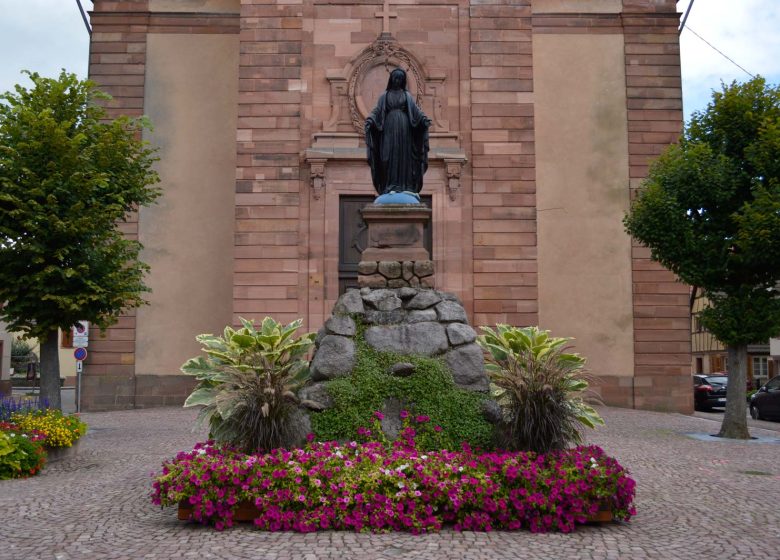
(68, 177)
(709, 211)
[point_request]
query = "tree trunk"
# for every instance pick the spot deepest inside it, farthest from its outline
(735, 419)
(50, 370)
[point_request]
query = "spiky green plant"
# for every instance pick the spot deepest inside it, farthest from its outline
(539, 385)
(247, 380)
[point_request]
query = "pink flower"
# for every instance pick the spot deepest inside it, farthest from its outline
(379, 416)
(437, 428)
(404, 414)
(422, 418)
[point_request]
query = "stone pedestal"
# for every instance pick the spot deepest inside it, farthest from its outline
(396, 256)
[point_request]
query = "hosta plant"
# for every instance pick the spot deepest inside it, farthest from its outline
(540, 386)
(20, 455)
(247, 380)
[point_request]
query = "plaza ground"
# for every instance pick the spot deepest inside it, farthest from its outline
(695, 499)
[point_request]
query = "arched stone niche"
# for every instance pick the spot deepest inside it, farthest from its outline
(354, 91)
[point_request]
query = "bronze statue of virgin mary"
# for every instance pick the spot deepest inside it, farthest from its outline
(397, 140)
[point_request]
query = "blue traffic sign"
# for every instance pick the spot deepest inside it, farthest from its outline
(80, 354)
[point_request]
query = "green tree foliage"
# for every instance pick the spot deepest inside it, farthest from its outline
(710, 212)
(67, 178)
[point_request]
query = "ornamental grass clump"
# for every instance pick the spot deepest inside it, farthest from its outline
(247, 381)
(539, 385)
(373, 486)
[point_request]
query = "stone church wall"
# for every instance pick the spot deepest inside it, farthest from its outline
(546, 114)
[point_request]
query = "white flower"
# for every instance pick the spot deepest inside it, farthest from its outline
(423, 457)
(400, 485)
(460, 469)
(201, 451)
(402, 467)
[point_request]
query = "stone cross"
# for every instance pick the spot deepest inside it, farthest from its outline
(386, 14)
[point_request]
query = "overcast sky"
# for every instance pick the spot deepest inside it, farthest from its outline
(47, 35)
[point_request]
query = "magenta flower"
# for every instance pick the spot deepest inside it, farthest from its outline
(422, 419)
(403, 487)
(379, 416)
(404, 414)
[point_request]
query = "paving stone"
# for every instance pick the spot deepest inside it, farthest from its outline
(96, 505)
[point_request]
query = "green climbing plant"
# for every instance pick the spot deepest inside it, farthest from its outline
(430, 391)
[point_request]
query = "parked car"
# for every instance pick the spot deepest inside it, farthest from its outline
(709, 391)
(765, 403)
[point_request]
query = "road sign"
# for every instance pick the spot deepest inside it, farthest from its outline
(79, 366)
(80, 354)
(81, 334)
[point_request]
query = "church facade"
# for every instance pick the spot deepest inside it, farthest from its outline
(544, 117)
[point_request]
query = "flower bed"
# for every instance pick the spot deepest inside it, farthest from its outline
(20, 455)
(60, 430)
(33, 437)
(377, 487)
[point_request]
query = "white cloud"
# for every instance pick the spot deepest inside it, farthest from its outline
(42, 36)
(47, 35)
(747, 31)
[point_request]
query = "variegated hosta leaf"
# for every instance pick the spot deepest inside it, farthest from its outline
(242, 340)
(246, 365)
(201, 397)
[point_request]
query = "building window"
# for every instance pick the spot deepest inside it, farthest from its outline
(699, 365)
(760, 369)
(66, 340)
(697, 324)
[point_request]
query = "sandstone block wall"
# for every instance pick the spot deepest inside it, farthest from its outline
(482, 87)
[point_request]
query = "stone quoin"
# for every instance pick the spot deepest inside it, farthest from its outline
(544, 118)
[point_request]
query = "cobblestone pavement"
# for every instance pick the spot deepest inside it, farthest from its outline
(696, 499)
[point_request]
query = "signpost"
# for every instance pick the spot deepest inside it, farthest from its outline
(80, 341)
(81, 334)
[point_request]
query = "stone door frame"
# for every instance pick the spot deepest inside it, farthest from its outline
(452, 233)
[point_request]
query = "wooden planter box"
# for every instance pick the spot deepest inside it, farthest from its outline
(247, 511)
(603, 515)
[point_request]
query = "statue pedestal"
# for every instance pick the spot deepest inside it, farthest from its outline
(395, 256)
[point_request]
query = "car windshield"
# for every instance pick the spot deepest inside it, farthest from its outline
(718, 380)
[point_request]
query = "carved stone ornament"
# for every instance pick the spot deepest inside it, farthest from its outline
(454, 167)
(385, 53)
(317, 173)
